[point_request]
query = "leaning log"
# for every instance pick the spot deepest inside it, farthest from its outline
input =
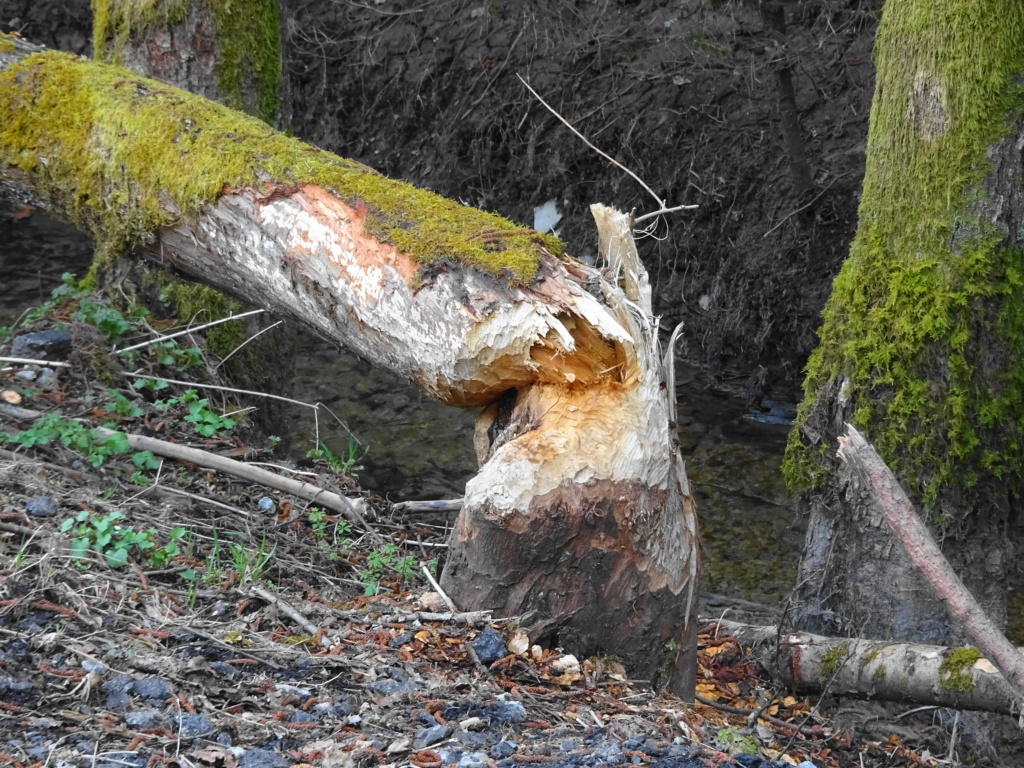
(581, 511)
(910, 673)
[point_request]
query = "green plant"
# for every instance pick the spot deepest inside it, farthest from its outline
(250, 564)
(343, 465)
(6, 332)
(384, 559)
(205, 421)
(94, 445)
(170, 353)
(272, 442)
(114, 542)
(122, 407)
(318, 521)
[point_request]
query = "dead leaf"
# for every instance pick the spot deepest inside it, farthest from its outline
(22, 212)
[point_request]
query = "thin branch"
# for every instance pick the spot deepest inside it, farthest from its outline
(609, 158)
(30, 361)
(187, 331)
(651, 215)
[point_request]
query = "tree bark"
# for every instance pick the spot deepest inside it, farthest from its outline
(920, 345)
(229, 54)
(581, 511)
(909, 673)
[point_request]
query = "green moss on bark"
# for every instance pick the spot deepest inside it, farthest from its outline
(832, 660)
(932, 290)
(6, 43)
(248, 42)
(955, 670)
(122, 156)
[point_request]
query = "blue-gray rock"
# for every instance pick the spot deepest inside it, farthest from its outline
(503, 749)
(153, 689)
(262, 758)
(191, 726)
(303, 717)
(399, 640)
(426, 718)
(473, 760)
(567, 746)
(489, 646)
(41, 506)
(146, 718)
(230, 671)
(224, 739)
(427, 736)
(265, 504)
(391, 687)
(117, 691)
(476, 739)
(42, 345)
(503, 712)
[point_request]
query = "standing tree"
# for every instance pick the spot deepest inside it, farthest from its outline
(922, 346)
(581, 513)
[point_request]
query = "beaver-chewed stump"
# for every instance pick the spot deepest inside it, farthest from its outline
(581, 510)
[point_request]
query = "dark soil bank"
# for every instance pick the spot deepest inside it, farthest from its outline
(759, 120)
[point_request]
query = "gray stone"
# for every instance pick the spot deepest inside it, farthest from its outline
(489, 646)
(190, 726)
(390, 687)
(262, 758)
(42, 345)
(41, 506)
(503, 749)
(146, 718)
(427, 736)
(153, 689)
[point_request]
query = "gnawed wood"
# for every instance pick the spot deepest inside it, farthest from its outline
(581, 511)
(906, 672)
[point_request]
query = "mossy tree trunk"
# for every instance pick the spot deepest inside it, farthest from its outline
(225, 50)
(581, 512)
(230, 53)
(923, 338)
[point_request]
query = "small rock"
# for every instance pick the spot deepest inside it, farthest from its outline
(502, 712)
(567, 746)
(265, 504)
(489, 646)
(472, 724)
(426, 718)
(145, 718)
(303, 717)
(400, 745)
(475, 739)
(41, 506)
(191, 726)
(473, 760)
(230, 671)
(391, 687)
(503, 749)
(399, 640)
(262, 758)
(42, 345)
(153, 689)
(224, 739)
(427, 736)
(117, 691)
(120, 760)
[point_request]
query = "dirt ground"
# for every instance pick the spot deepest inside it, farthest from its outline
(156, 612)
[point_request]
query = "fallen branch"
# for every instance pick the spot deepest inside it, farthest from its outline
(877, 669)
(287, 610)
(303, 490)
(928, 558)
(418, 507)
(407, 617)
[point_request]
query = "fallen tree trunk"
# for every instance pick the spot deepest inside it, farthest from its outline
(581, 511)
(905, 672)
